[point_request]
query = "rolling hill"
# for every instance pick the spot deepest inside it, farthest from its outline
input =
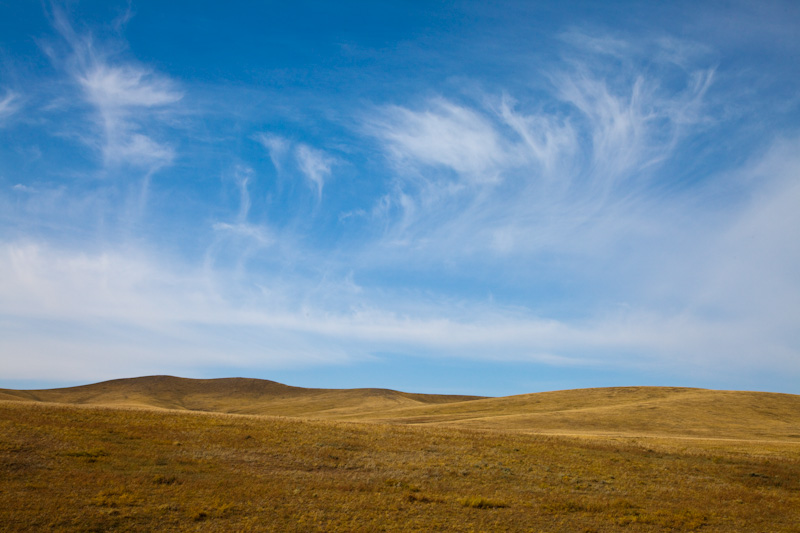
(233, 395)
(617, 411)
(171, 454)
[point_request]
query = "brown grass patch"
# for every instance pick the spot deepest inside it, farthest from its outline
(65, 468)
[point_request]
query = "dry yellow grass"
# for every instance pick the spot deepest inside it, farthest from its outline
(616, 411)
(114, 468)
(232, 395)
(625, 411)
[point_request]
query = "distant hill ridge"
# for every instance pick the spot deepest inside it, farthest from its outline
(230, 395)
(615, 411)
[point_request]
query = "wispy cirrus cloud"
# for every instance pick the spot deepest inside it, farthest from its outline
(442, 134)
(633, 121)
(136, 305)
(239, 237)
(122, 95)
(314, 164)
(547, 141)
(9, 105)
(277, 147)
(127, 98)
(528, 175)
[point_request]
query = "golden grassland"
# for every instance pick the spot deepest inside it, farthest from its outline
(613, 411)
(424, 464)
(233, 395)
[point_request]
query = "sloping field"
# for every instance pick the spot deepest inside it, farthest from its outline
(141, 454)
(233, 395)
(88, 468)
(618, 411)
(628, 411)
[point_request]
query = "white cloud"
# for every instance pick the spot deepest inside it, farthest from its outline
(443, 134)
(9, 105)
(137, 306)
(122, 97)
(631, 129)
(135, 148)
(128, 99)
(277, 147)
(114, 297)
(239, 238)
(315, 165)
(606, 45)
(752, 268)
(259, 234)
(243, 176)
(116, 88)
(548, 140)
(574, 171)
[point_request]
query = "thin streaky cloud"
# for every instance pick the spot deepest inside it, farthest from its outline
(547, 140)
(277, 147)
(9, 105)
(555, 185)
(260, 234)
(40, 283)
(243, 177)
(127, 98)
(121, 95)
(239, 238)
(441, 134)
(315, 165)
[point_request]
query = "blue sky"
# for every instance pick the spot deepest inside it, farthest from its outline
(466, 197)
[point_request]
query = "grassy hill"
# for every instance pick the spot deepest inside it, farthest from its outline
(171, 454)
(88, 468)
(620, 411)
(232, 395)
(626, 411)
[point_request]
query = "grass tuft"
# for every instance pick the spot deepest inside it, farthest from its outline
(90, 456)
(160, 479)
(477, 502)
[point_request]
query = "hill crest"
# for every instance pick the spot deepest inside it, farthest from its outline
(232, 395)
(613, 411)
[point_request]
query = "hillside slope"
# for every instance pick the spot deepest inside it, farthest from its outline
(616, 411)
(623, 411)
(232, 395)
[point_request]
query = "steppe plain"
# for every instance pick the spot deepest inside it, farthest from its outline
(166, 453)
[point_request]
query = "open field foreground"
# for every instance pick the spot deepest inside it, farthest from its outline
(95, 468)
